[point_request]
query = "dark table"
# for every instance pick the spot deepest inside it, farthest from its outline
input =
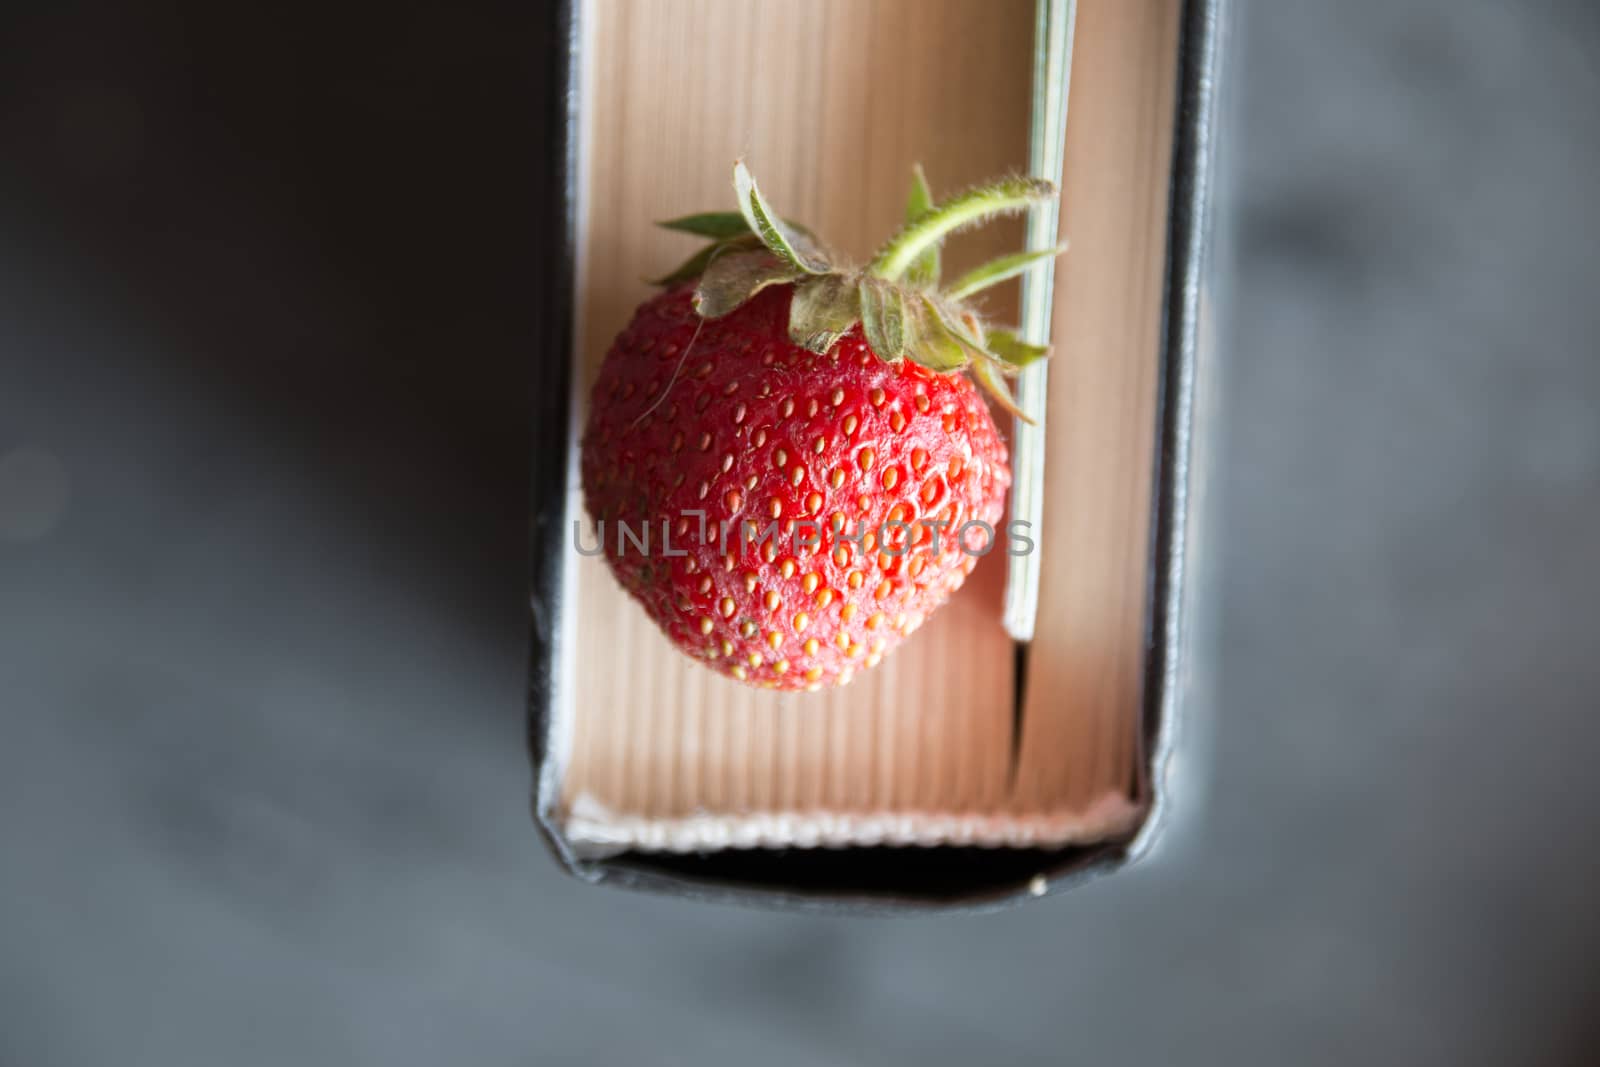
(265, 334)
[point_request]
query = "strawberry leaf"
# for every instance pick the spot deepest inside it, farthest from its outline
(732, 279)
(1005, 346)
(822, 310)
(924, 270)
(696, 264)
(998, 270)
(785, 243)
(929, 343)
(960, 323)
(692, 267)
(715, 224)
(975, 205)
(720, 225)
(985, 371)
(883, 318)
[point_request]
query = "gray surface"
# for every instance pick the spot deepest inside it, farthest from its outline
(262, 790)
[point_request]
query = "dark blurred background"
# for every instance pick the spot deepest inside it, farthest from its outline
(265, 331)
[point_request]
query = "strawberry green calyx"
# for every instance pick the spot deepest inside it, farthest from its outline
(973, 206)
(998, 270)
(786, 243)
(896, 299)
(924, 270)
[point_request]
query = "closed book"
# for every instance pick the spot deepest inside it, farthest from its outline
(1016, 741)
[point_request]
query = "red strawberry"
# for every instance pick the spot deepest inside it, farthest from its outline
(787, 471)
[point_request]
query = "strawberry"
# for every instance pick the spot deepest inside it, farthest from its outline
(786, 468)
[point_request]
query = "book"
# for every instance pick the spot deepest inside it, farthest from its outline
(963, 738)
